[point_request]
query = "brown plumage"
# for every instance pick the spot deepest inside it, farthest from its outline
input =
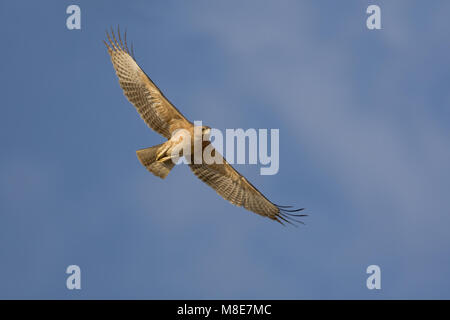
(162, 116)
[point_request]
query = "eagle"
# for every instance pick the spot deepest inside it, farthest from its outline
(164, 118)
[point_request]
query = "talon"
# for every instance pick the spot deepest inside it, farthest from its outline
(164, 159)
(159, 155)
(162, 152)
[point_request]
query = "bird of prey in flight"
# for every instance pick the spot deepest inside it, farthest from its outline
(163, 117)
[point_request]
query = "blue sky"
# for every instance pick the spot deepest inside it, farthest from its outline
(364, 146)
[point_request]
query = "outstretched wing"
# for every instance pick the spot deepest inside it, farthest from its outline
(152, 105)
(235, 188)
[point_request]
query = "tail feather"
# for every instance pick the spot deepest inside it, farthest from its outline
(148, 159)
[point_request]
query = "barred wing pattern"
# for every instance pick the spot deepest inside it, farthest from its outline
(154, 108)
(160, 115)
(235, 188)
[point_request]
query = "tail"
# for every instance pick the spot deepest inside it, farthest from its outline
(148, 159)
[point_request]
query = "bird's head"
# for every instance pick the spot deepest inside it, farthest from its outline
(206, 131)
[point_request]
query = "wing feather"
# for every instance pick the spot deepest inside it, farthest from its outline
(235, 188)
(154, 108)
